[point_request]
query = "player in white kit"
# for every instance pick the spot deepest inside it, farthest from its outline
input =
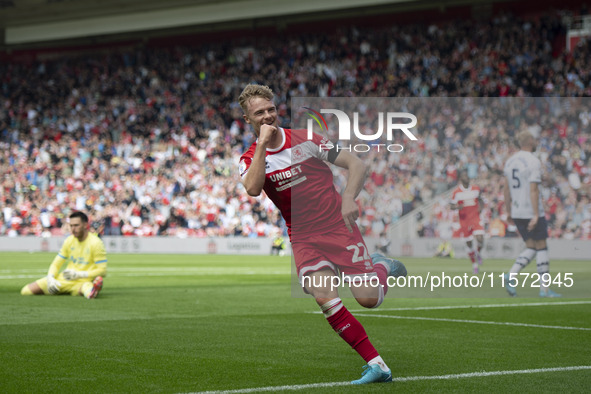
(523, 202)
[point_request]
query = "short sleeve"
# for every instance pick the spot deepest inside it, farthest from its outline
(535, 175)
(324, 146)
(243, 166)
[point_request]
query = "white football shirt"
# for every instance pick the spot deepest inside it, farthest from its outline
(522, 169)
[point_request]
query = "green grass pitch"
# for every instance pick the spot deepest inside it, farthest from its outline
(192, 323)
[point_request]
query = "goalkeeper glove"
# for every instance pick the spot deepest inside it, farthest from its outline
(53, 285)
(72, 274)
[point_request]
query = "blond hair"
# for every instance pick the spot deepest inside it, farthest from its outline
(525, 139)
(253, 90)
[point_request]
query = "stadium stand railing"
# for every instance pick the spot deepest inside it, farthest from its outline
(408, 225)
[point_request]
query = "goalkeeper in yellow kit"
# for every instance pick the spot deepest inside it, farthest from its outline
(87, 264)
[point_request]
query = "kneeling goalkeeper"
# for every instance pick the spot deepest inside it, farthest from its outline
(87, 264)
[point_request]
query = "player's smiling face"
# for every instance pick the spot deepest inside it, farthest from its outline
(260, 111)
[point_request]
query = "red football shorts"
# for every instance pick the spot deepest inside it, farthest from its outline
(339, 250)
(469, 228)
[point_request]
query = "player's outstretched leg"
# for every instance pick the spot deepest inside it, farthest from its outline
(509, 286)
(479, 245)
(393, 267)
(543, 268)
(352, 332)
(473, 260)
(372, 373)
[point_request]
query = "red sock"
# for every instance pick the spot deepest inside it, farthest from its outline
(349, 328)
(472, 256)
(382, 272)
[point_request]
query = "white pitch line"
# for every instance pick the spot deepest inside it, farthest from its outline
(163, 273)
(428, 308)
(21, 276)
(473, 321)
(221, 270)
(401, 379)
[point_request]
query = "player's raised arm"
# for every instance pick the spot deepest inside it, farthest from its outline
(355, 180)
(254, 179)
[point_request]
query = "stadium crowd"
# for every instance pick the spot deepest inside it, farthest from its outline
(147, 139)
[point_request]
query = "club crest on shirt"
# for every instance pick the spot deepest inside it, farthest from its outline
(297, 153)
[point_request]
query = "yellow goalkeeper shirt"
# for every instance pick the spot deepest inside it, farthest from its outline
(88, 255)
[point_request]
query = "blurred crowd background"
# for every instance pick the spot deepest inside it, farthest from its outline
(146, 139)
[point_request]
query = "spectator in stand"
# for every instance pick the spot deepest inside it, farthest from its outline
(126, 123)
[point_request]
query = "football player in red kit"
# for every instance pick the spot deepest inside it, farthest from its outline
(325, 240)
(466, 199)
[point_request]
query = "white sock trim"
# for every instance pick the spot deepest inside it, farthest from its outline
(379, 361)
(331, 307)
(380, 297)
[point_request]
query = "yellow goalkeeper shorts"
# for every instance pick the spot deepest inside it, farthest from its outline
(71, 287)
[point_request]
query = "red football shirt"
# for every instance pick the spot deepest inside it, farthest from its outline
(300, 183)
(467, 199)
